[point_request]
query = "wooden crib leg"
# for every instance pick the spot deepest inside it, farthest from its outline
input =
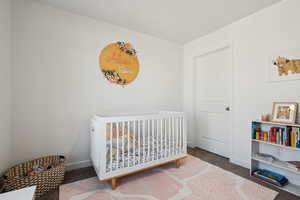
(177, 163)
(114, 183)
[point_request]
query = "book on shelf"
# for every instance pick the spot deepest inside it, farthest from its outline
(293, 165)
(266, 180)
(288, 136)
(285, 164)
(265, 157)
(270, 177)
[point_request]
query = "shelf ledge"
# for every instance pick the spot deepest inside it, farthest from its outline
(276, 123)
(277, 145)
(276, 165)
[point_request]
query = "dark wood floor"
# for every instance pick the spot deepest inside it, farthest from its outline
(214, 159)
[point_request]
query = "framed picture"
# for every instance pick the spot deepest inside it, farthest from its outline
(284, 112)
(284, 65)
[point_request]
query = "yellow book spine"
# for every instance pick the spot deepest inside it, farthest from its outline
(293, 139)
(266, 137)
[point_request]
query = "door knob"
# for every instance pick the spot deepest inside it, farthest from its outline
(227, 108)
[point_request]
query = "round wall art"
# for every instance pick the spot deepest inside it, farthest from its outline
(119, 63)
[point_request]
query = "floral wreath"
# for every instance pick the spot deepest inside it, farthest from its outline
(113, 76)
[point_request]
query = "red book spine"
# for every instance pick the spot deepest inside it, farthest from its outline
(272, 132)
(266, 180)
(274, 135)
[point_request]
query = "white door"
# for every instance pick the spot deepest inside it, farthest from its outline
(212, 101)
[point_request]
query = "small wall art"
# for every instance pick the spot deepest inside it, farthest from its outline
(119, 63)
(284, 66)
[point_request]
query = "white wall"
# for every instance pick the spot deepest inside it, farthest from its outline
(5, 87)
(58, 86)
(253, 40)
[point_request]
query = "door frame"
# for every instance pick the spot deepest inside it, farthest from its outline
(201, 54)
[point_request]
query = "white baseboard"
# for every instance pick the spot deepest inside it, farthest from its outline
(241, 163)
(191, 145)
(77, 165)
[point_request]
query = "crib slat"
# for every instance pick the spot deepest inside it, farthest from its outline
(144, 140)
(184, 148)
(111, 141)
(179, 148)
(165, 137)
(118, 133)
(173, 135)
(134, 138)
(169, 136)
(148, 135)
(157, 139)
(149, 140)
(182, 134)
(162, 143)
(177, 133)
(123, 135)
(139, 140)
(161, 138)
(152, 139)
(128, 144)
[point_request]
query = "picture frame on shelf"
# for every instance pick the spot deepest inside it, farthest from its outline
(285, 112)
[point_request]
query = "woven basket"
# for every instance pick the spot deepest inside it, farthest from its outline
(15, 178)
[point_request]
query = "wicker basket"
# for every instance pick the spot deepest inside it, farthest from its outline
(15, 178)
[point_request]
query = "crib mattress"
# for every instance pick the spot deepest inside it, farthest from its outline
(145, 154)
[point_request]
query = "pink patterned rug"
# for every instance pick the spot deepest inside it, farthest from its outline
(194, 180)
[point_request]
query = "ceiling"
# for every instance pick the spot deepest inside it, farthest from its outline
(175, 20)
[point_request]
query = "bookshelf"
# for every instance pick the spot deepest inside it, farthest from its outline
(277, 149)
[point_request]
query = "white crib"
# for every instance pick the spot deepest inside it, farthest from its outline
(123, 145)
